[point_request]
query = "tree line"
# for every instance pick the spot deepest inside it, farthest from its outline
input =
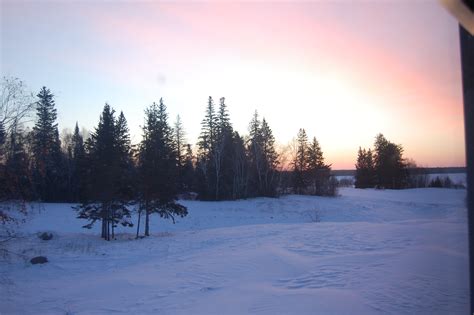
(106, 174)
(384, 167)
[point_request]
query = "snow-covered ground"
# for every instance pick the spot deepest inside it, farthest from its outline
(367, 251)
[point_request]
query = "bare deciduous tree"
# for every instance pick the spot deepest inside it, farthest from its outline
(16, 102)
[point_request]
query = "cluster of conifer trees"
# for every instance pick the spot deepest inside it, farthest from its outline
(229, 166)
(106, 174)
(382, 167)
(311, 174)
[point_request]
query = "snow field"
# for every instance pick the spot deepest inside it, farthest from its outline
(372, 252)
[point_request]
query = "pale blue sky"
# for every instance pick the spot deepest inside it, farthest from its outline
(343, 70)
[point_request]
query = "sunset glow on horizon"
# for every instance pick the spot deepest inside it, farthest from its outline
(344, 71)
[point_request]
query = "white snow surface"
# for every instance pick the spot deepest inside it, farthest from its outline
(364, 252)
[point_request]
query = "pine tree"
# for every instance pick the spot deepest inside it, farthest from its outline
(205, 171)
(270, 160)
(390, 166)
(124, 151)
(263, 159)
(318, 172)
(78, 166)
(188, 170)
(365, 170)
(48, 168)
(180, 147)
(371, 175)
(158, 168)
(300, 163)
(214, 171)
(255, 156)
(105, 198)
(223, 119)
(207, 138)
(223, 154)
(240, 166)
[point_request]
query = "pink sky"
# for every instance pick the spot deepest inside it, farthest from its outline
(342, 70)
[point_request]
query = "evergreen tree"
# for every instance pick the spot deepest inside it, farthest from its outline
(240, 168)
(180, 147)
(206, 150)
(48, 168)
(207, 138)
(255, 156)
(187, 175)
(300, 163)
(78, 165)
(390, 166)
(371, 175)
(270, 160)
(223, 154)
(106, 201)
(158, 168)
(124, 151)
(318, 171)
(365, 170)
(223, 119)
(263, 159)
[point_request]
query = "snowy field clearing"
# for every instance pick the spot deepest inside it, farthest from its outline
(390, 252)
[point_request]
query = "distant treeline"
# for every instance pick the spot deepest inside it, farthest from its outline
(427, 170)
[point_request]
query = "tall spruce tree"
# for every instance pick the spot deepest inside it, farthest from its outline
(187, 175)
(205, 171)
(158, 168)
(105, 199)
(240, 166)
(300, 164)
(124, 151)
(318, 170)
(255, 156)
(223, 154)
(48, 168)
(270, 160)
(180, 148)
(78, 165)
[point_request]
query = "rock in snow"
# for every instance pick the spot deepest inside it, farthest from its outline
(45, 236)
(39, 260)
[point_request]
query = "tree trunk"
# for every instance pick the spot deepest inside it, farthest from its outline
(107, 232)
(104, 222)
(138, 224)
(147, 220)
